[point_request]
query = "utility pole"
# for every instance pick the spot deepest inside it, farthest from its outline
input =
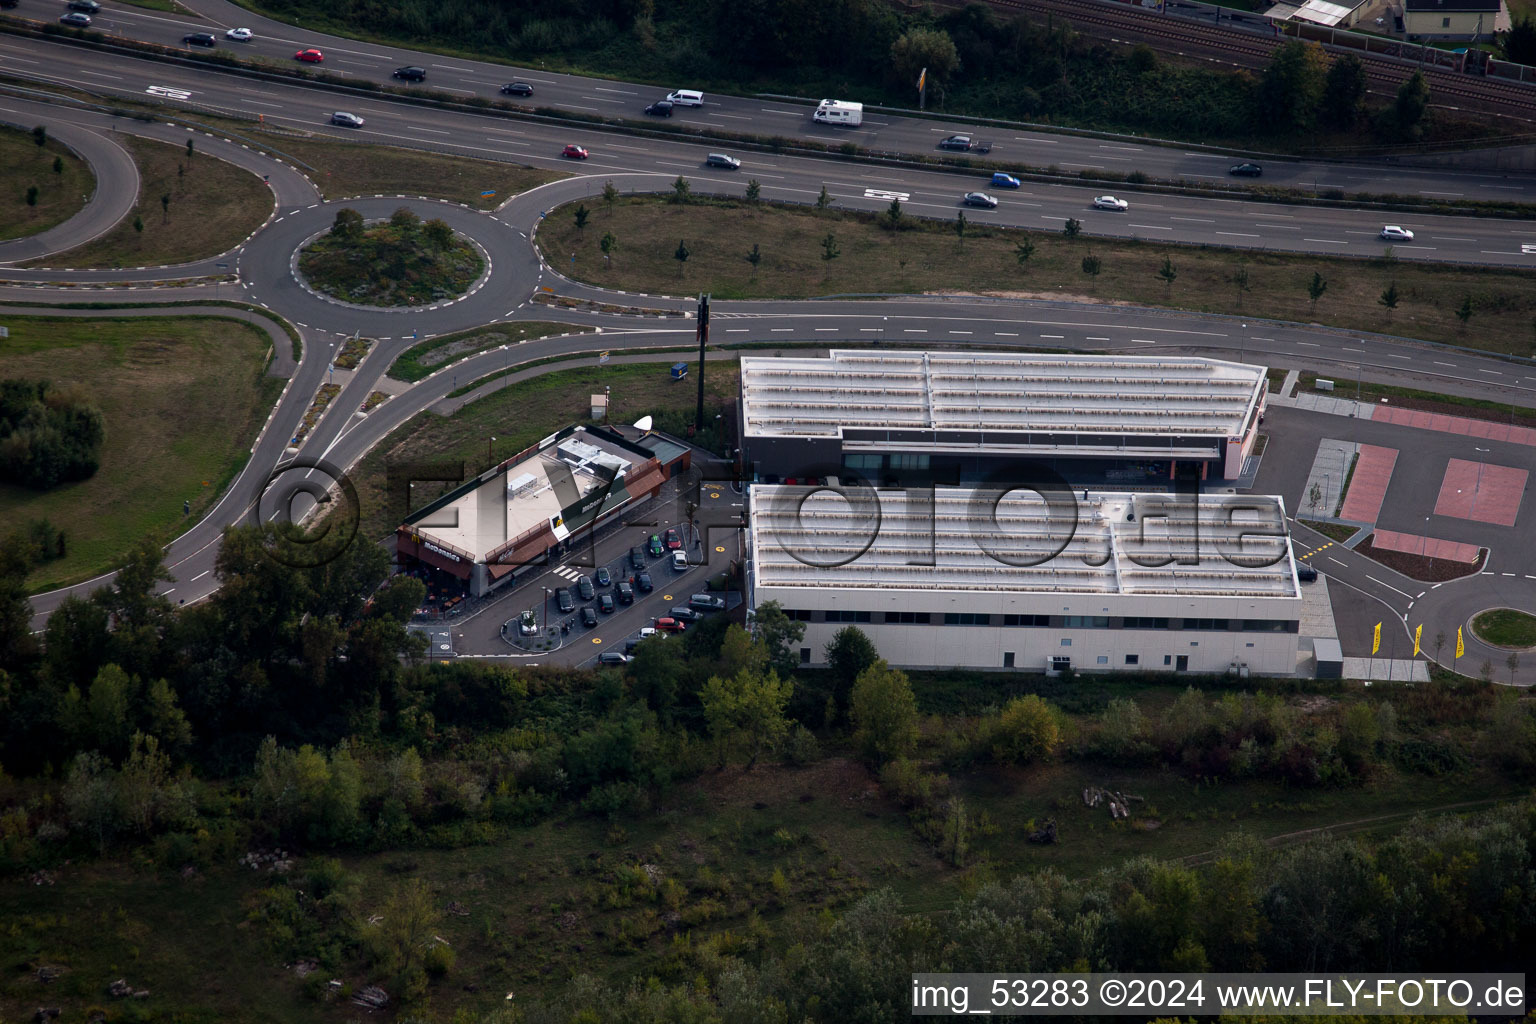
(698, 417)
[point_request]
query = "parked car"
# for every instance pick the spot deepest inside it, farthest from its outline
(88, 6)
(680, 561)
(574, 151)
(707, 602)
(626, 593)
(685, 614)
(637, 557)
(728, 163)
(955, 142)
(588, 616)
(653, 546)
(563, 600)
(240, 35)
(604, 577)
(670, 625)
(672, 540)
(605, 604)
(199, 39)
(643, 583)
(584, 587)
(1110, 203)
(612, 658)
(517, 89)
(74, 19)
(1246, 170)
(1393, 233)
(1305, 573)
(410, 73)
(346, 120)
(528, 623)
(661, 108)
(980, 199)
(309, 56)
(1001, 180)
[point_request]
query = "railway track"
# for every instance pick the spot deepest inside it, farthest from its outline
(1243, 49)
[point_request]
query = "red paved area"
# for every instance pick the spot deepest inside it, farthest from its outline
(1455, 424)
(1368, 485)
(1429, 547)
(1477, 490)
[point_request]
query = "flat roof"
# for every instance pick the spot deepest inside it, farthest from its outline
(1455, 6)
(1108, 543)
(521, 495)
(812, 396)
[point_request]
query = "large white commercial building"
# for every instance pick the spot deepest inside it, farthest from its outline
(958, 577)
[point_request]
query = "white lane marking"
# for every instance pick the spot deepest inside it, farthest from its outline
(880, 193)
(434, 131)
(1238, 234)
(1389, 586)
(1326, 241)
(1151, 227)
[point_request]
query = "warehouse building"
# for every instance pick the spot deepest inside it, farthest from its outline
(976, 578)
(534, 504)
(892, 418)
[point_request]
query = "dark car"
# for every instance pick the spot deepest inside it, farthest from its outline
(654, 546)
(604, 577)
(563, 600)
(612, 658)
(584, 587)
(955, 142)
(517, 89)
(1305, 573)
(605, 604)
(346, 120)
(643, 583)
(6, 5)
(410, 73)
(672, 540)
(200, 39)
(722, 161)
(88, 6)
(588, 616)
(626, 593)
(706, 602)
(75, 19)
(685, 614)
(1246, 170)
(637, 557)
(661, 108)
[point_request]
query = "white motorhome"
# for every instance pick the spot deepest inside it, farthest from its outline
(839, 112)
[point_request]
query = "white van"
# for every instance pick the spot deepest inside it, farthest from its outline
(680, 561)
(686, 98)
(836, 112)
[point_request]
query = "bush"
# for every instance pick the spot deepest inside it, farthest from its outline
(1026, 731)
(47, 436)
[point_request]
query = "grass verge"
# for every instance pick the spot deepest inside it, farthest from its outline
(1505, 627)
(1344, 490)
(183, 398)
(213, 206)
(346, 169)
(1333, 531)
(60, 194)
(929, 257)
(1431, 401)
(517, 416)
(421, 361)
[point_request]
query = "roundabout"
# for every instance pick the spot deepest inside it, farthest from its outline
(403, 262)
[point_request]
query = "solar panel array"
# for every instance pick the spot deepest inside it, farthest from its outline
(1216, 545)
(945, 391)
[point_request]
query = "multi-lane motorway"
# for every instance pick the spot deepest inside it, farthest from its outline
(640, 162)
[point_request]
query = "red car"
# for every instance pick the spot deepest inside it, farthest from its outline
(670, 625)
(310, 56)
(574, 152)
(672, 540)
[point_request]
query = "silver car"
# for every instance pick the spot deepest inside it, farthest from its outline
(980, 199)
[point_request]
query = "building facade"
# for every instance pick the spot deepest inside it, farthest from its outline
(1454, 19)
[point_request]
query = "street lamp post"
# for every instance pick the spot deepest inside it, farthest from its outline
(546, 607)
(488, 456)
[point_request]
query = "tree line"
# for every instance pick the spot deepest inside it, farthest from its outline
(48, 435)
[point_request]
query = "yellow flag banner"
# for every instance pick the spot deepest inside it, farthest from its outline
(1376, 639)
(1418, 634)
(1461, 648)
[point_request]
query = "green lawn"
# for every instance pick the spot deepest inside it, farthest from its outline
(1333, 531)
(420, 361)
(1506, 627)
(391, 264)
(183, 398)
(214, 205)
(930, 258)
(23, 165)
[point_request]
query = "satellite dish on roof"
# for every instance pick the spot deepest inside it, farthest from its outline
(643, 423)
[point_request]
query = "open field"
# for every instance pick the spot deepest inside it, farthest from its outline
(930, 259)
(183, 398)
(59, 196)
(214, 206)
(519, 415)
(346, 169)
